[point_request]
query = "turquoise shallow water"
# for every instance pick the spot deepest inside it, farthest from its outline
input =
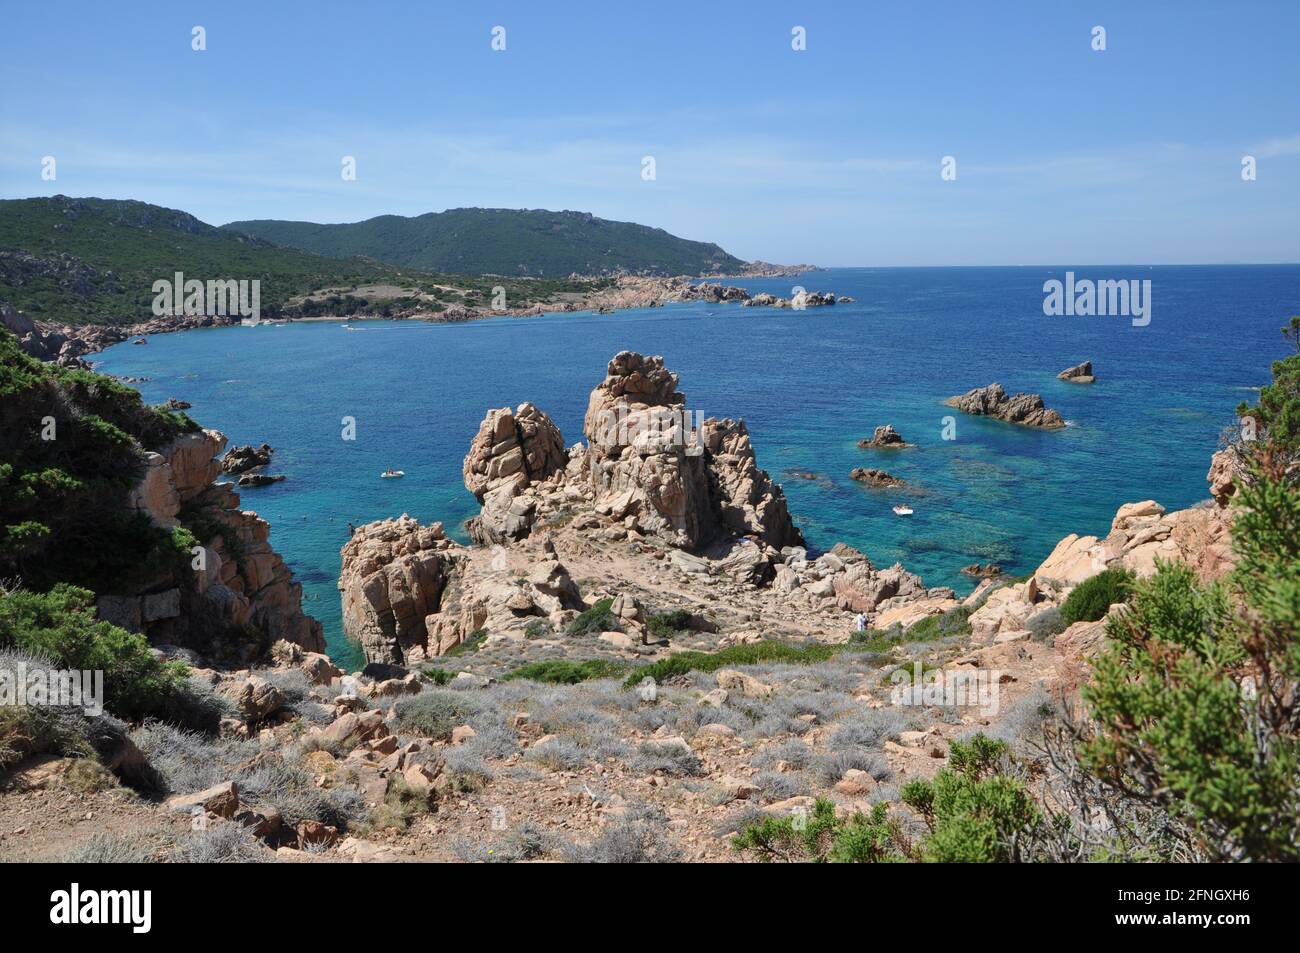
(809, 384)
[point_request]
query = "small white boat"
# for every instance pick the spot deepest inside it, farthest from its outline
(392, 474)
(902, 509)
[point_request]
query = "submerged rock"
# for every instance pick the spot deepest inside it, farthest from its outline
(878, 478)
(982, 570)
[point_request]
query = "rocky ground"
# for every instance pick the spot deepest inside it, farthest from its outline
(638, 656)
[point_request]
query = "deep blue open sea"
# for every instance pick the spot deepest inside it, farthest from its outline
(809, 383)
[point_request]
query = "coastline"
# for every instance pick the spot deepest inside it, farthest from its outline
(68, 344)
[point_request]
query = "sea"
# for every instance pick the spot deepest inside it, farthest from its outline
(341, 406)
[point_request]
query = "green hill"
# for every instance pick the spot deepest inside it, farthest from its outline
(89, 260)
(496, 241)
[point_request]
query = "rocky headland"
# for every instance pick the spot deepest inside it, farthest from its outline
(244, 458)
(504, 677)
(646, 518)
(504, 713)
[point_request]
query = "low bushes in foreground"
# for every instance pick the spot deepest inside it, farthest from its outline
(974, 810)
(60, 626)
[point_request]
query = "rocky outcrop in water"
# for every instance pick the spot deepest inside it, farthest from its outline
(647, 463)
(885, 438)
(259, 479)
(1079, 374)
(799, 301)
(243, 458)
(694, 483)
(992, 401)
(876, 478)
(711, 291)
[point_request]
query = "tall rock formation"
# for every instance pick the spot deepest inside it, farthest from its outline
(655, 504)
(395, 573)
(695, 485)
(512, 451)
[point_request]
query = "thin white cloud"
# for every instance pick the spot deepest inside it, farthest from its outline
(1273, 148)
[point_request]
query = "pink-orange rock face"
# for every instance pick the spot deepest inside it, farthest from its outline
(513, 450)
(693, 481)
(232, 607)
(394, 575)
(1225, 468)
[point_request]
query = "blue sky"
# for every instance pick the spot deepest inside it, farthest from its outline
(830, 155)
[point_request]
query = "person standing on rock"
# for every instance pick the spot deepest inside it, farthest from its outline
(861, 622)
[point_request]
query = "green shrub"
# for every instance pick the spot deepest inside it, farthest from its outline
(974, 812)
(950, 624)
(60, 625)
(954, 622)
(1195, 702)
(598, 618)
(821, 837)
(665, 625)
(434, 714)
(1089, 600)
(567, 672)
(439, 676)
(63, 514)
